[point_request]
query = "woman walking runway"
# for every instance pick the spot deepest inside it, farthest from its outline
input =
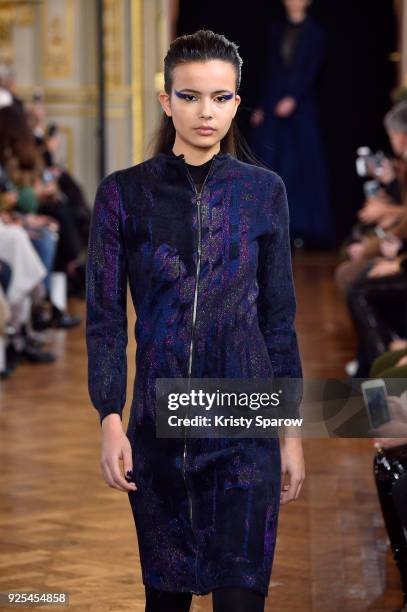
(203, 238)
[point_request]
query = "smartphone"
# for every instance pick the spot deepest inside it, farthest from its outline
(371, 188)
(379, 231)
(47, 177)
(375, 398)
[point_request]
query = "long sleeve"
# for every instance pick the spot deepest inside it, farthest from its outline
(303, 78)
(106, 297)
(276, 300)
(266, 87)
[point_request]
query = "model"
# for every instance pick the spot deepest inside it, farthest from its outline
(203, 238)
(286, 133)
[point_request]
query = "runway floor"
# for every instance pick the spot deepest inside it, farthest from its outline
(63, 529)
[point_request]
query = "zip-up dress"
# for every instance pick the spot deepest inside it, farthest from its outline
(211, 282)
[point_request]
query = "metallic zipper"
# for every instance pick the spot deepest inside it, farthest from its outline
(198, 269)
(191, 347)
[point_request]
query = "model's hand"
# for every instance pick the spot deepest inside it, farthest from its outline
(115, 447)
(285, 107)
(292, 469)
(257, 117)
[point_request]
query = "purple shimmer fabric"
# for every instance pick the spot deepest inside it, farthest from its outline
(206, 518)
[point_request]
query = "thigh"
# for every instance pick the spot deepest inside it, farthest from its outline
(386, 361)
(237, 599)
(394, 372)
(384, 289)
(350, 272)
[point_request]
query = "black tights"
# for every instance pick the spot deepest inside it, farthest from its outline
(366, 299)
(224, 599)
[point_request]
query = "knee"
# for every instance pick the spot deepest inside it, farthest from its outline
(343, 276)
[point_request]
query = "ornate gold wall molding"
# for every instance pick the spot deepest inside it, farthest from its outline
(67, 143)
(159, 81)
(63, 95)
(113, 36)
(137, 79)
(12, 14)
(76, 103)
(58, 38)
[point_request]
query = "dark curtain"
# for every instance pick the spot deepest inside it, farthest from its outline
(354, 87)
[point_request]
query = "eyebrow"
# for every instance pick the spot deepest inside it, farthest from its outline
(198, 92)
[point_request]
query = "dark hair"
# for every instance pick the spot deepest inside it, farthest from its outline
(201, 46)
(16, 138)
(396, 118)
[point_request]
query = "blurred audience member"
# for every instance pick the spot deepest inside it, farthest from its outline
(285, 124)
(8, 82)
(374, 280)
(35, 193)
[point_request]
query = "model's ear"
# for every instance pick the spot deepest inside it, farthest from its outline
(238, 100)
(164, 100)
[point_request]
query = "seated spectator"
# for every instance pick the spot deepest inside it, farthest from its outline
(25, 274)
(8, 82)
(25, 191)
(390, 364)
(375, 279)
(388, 215)
(384, 284)
(75, 200)
(390, 473)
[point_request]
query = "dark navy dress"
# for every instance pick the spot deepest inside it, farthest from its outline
(213, 266)
(292, 145)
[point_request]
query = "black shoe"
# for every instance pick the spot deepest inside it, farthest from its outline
(77, 282)
(34, 354)
(13, 359)
(41, 316)
(63, 320)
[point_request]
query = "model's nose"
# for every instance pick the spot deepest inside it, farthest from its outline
(206, 112)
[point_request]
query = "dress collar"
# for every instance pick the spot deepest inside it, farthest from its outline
(170, 156)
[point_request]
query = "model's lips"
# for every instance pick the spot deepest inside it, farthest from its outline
(205, 130)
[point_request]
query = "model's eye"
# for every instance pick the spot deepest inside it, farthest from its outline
(187, 97)
(223, 98)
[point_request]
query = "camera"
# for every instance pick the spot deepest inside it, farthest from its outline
(368, 162)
